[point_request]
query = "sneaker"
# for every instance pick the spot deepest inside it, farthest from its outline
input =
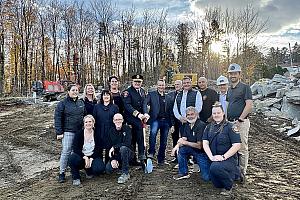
(196, 168)
(181, 176)
(61, 178)
(176, 166)
(123, 178)
(149, 166)
(225, 192)
(76, 182)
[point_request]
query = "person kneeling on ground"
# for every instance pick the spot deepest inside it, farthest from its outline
(121, 151)
(190, 144)
(86, 152)
(221, 143)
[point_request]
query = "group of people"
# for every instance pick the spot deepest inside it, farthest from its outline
(208, 126)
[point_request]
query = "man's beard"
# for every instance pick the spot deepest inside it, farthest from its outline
(192, 121)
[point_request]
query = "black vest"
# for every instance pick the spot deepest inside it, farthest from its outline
(190, 99)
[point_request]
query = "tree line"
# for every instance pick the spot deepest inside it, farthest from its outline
(85, 42)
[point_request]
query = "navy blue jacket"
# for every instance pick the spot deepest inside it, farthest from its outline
(153, 100)
(133, 103)
(69, 115)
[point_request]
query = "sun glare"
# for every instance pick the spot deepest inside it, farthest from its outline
(216, 47)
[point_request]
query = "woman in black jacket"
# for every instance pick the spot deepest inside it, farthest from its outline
(103, 114)
(68, 118)
(86, 152)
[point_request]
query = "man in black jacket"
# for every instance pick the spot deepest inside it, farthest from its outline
(161, 108)
(121, 151)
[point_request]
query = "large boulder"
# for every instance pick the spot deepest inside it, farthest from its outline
(290, 109)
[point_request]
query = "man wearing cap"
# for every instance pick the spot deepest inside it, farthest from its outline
(209, 97)
(134, 113)
(240, 104)
(222, 83)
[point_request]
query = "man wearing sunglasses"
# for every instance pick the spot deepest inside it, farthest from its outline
(134, 114)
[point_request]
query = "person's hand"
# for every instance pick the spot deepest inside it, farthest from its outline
(183, 119)
(114, 164)
(146, 117)
(181, 141)
(218, 158)
(141, 116)
(112, 149)
(59, 137)
(87, 162)
(91, 161)
(174, 151)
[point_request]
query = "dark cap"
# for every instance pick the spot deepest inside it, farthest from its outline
(137, 77)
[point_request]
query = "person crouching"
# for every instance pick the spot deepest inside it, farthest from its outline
(221, 142)
(190, 144)
(121, 151)
(86, 152)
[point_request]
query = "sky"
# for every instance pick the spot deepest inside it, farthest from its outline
(283, 15)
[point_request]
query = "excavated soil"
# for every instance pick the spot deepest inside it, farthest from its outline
(29, 155)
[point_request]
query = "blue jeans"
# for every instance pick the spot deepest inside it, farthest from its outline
(201, 158)
(223, 173)
(76, 163)
(67, 142)
(125, 155)
(164, 127)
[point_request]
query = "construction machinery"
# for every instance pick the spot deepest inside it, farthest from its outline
(49, 90)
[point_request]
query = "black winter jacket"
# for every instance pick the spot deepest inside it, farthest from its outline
(69, 115)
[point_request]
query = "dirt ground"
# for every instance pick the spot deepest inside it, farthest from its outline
(29, 155)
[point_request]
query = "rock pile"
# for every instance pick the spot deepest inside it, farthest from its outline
(279, 96)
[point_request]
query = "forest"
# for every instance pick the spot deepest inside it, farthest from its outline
(87, 41)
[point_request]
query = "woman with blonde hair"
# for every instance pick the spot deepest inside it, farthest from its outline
(86, 152)
(89, 98)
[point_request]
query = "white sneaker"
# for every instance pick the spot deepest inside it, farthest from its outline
(149, 166)
(76, 182)
(123, 178)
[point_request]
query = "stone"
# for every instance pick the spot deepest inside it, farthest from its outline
(293, 96)
(290, 109)
(277, 105)
(258, 104)
(281, 130)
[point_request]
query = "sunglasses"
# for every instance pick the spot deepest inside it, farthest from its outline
(137, 81)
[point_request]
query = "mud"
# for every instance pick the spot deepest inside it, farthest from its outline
(29, 155)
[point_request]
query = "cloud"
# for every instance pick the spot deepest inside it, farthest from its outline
(278, 12)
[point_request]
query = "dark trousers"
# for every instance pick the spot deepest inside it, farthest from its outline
(175, 134)
(77, 163)
(124, 156)
(138, 138)
(223, 173)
